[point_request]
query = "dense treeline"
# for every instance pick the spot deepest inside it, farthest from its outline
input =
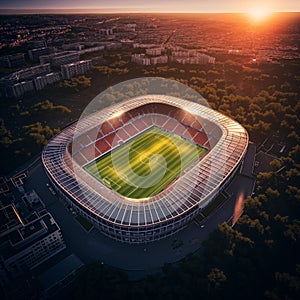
(254, 95)
(75, 82)
(27, 137)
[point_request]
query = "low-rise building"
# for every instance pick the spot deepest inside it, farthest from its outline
(18, 83)
(189, 57)
(12, 61)
(92, 49)
(27, 73)
(163, 59)
(106, 31)
(34, 54)
(60, 58)
(26, 244)
(19, 89)
(73, 46)
(40, 43)
(145, 46)
(141, 59)
(81, 67)
(154, 51)
(113, 45)
(129, 27)
(41, 81)
(127, 42)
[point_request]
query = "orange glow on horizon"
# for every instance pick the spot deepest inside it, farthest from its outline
(259, 13)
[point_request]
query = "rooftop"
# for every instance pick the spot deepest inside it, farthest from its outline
(21, 237)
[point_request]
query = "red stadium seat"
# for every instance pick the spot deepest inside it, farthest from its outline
(160, 120)
(180, 129)
(122, 134)
(109, 138)
(115, 123)
(106, 128)
(139, 125)
(80, 159)
(191, 132)
(147, 120)
(134, 113)
(125, 118)
(172, 112)
(102, 146)
(89, 152)
(197, 125)
(162, 109)
(130, 130)
(188, 118)
(170, 124)
(200, 138)
(147, 109)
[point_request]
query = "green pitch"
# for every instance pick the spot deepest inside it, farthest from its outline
(143, 166)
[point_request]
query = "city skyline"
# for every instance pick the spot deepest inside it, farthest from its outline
(189, 6)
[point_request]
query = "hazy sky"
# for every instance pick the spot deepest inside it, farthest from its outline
(156, 5)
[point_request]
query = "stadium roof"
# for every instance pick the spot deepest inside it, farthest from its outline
(195, 188)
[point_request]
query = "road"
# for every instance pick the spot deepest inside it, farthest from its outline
(136, 259)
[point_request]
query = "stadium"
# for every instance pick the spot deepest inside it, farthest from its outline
(142, 169)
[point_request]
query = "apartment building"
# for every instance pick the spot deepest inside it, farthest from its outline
(34, 54)
(60, 58)
(42, 81)
(12, 61)
(24, 244)
(81, 67)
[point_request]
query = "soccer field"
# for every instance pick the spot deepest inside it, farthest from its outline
(143, 166)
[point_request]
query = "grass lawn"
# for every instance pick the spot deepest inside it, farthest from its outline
(143, 166)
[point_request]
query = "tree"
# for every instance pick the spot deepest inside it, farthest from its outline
(287, 286)
(216, 277)
(5, 135)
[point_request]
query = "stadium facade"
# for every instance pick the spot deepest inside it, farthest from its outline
(153, 218)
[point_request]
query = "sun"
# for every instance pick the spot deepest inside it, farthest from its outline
(259, 13)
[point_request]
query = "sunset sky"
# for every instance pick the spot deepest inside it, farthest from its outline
(155, 5)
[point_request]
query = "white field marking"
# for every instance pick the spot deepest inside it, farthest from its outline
(109, 182)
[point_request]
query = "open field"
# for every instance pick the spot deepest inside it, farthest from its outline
(146, 164)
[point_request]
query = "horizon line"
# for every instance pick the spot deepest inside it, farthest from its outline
(9, 11)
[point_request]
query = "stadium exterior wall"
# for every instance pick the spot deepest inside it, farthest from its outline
(135, 234)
